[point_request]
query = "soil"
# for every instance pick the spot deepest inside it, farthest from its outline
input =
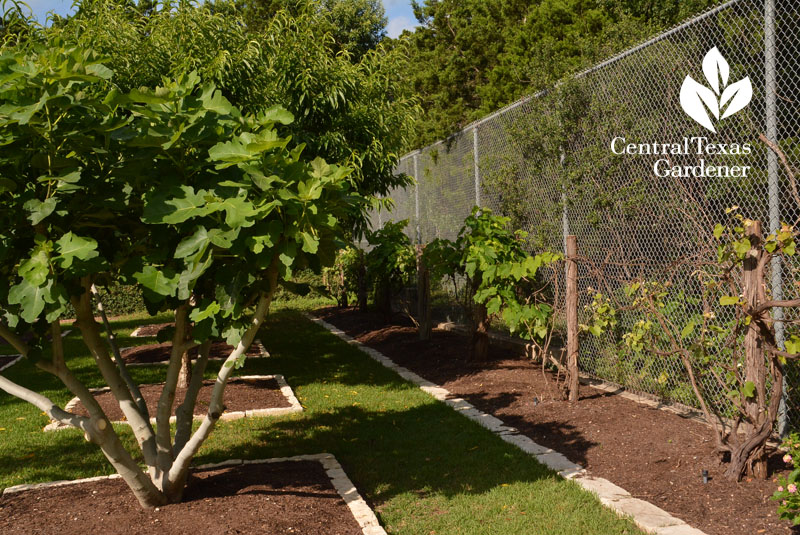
(656, 455)
(294, 497)
(240, 395)
(152, 329)
(154, 353)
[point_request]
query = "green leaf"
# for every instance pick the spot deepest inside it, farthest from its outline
(30, 298)
(100, 70)
(687, 330)
(36, 269)
(146, 97)
(197, 242)
(237, 211)
(288, 254)
(728, 300)
(718, 230)
(160, 282)
(310, 243)
(749, 390)
(39, 210)
(216, 102)
(223, 239)
(741, 247)
(793, 344)
(71, 246)
(230, 152)
(174, 206)
(279, 114)
(201, 313)
(493, 305)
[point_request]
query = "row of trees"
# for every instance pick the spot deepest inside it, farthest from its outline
(471, 57)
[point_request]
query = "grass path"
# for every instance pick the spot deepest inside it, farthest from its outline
(425, 468)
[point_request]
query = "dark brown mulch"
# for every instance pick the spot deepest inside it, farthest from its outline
(7, 359)
(655, 455)
(240, 395)
(152, 329)
(294, 497)
(153, 353)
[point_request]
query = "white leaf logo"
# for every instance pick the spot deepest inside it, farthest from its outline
(695, 98)
(698, 100)
(715, 67)
(739, 95)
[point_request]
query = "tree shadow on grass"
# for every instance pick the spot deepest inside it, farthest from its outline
(536, 424)
(61, 455)
(425, 448)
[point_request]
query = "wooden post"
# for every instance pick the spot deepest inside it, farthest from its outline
(755, 366)
(572, 317)
(423, 296)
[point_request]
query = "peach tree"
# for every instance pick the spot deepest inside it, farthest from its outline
(173, 189)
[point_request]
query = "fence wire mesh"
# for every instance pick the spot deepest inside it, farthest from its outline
(547, 162)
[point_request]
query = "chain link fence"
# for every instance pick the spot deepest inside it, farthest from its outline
(551, 163)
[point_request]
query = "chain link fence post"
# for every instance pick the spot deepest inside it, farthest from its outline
(564, 216)
(416, 198)
(770, 93)
(477, 167)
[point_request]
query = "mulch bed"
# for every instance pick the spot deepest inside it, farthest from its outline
(152, 329)
(155, 353)
(655, 455)
(240, 395)
(294, 497)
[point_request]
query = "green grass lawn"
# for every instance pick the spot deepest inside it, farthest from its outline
(423, 467)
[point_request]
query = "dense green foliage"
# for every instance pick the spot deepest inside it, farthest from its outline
(501, 274)
(171, 189)
(350, 111)
(471, 57)
(357, 26)
(347, 277)
(226, 184)
(391, 262)
(504, 274)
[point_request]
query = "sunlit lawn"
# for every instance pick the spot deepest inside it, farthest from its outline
(424, 468)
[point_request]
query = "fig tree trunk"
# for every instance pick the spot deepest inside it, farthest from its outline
(479, 344)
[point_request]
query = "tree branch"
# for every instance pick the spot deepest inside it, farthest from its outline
(185, 411)
(167, 398)
(123, 370)
(15, 341)
(91, 336)
(177, 474)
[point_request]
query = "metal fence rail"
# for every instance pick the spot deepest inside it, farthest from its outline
(547, 162)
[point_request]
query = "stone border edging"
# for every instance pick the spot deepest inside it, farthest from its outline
(286, 390)
(263, 353)
(644, 514)
(11, 362)
(64, 333)
(362, 513)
